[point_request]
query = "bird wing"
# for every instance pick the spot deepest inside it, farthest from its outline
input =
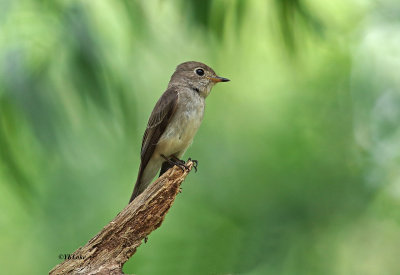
(158, 122)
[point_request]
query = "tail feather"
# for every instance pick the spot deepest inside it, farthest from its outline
(137, 190)
(141, 186)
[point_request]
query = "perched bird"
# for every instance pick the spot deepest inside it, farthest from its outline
(174, 121)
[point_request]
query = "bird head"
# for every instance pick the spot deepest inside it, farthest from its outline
(197, 76)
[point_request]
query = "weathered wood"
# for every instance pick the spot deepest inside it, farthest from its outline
(107, 252)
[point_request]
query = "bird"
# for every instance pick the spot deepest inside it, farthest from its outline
(174, 121)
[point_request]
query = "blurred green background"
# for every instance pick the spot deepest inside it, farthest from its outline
(298, 155)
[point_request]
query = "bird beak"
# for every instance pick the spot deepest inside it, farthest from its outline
(217, 79)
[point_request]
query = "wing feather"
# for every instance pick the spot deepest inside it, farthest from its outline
(159, 119)
(158, 122)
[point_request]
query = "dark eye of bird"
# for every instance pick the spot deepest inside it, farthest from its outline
(200, 72)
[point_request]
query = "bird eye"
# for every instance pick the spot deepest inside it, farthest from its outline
(200, 72)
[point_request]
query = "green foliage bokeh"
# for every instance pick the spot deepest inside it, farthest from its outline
(298, 154)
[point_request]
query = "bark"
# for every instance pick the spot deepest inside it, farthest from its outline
(107, 252)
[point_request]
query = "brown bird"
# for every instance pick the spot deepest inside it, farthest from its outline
(174, 121)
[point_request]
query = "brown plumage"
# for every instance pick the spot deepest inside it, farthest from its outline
(174, 120)
(158, 122)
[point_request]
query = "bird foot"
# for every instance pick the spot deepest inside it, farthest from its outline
(181, 163)
(195, 164)
(175, 161)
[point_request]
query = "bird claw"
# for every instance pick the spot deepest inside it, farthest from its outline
(195, 164)
(181, 163)
(178, 162)
(182, 166)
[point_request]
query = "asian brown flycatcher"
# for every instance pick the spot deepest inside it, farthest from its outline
(174, 121)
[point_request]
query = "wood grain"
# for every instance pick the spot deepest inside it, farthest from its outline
(107, 252)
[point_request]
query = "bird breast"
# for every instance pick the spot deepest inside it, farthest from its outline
(186, 121)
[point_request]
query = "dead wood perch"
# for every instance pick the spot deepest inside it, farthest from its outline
(107, 252)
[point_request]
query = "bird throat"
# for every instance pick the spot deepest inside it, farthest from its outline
(196, 90)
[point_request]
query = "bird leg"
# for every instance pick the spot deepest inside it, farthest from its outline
(195, 162)
(175, 161)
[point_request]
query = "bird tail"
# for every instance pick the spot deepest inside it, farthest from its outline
(135, 193)
(140, 186)
(137, 190)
